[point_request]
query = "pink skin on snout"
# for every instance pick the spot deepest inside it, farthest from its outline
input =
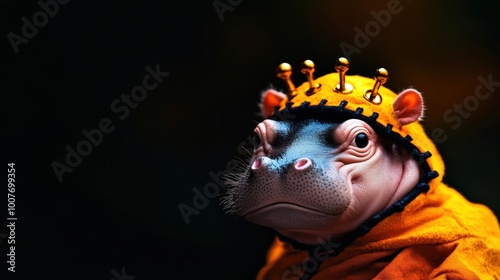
(300, 164)
(361, 180)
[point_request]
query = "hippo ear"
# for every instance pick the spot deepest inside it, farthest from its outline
(271, 99)
(408, 106)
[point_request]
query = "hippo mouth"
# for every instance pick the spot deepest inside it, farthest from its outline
(284, 204)
(286, 215)
(281, 198)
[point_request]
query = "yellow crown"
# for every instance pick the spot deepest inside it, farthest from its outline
(284, 71)
(343, 96)
(357, 91)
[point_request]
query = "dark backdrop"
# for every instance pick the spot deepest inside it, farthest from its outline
(117, 212)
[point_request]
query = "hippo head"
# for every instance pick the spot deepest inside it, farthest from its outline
(319, 169)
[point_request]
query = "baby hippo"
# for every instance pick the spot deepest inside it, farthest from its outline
(346, 175)
(310, 179)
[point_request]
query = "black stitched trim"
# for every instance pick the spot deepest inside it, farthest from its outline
(340, 113)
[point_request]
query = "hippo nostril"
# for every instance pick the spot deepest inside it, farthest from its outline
(257, 164)
(303, 164)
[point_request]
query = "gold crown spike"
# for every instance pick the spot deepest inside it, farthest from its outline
(372, 95)
(342, 66)
(307, 68)
(284, 71)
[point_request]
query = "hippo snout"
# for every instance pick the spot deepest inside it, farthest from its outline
(265, 163)
(286, 192)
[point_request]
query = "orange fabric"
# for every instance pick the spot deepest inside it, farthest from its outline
(439, 235)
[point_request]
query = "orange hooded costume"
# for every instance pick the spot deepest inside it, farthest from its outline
(431, 233)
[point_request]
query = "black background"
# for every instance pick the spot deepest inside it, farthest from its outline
(119, 207)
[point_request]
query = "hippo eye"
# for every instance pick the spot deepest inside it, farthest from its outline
(361, 140)
(256, 141)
